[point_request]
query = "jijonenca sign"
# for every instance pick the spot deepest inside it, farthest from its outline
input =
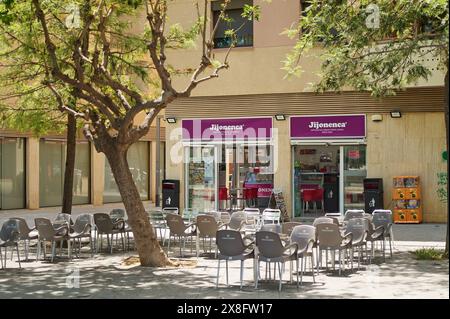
(227, 129)
(328, 126)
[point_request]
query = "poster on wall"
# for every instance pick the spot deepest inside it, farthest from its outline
(328, 126)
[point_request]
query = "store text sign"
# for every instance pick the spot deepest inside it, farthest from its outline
(227, 129)
(328, 126)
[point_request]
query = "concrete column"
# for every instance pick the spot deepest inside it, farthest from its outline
(97, 176)
(32, 172)
(175, 157)
(283, 162)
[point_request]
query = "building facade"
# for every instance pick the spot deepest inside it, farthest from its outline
(297, 140)
(32, 170)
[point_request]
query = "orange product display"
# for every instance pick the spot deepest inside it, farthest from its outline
(406, 194)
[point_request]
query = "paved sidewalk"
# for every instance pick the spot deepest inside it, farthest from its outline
(105, 276)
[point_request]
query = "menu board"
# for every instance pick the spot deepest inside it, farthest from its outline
(277, 201)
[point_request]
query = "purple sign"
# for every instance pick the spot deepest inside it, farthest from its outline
(227, 129)
(328, 126)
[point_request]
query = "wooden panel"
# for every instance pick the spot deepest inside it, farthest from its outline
(427, 99)
(411, 145)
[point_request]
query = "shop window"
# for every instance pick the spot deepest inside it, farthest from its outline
(233, 21)
(52, 163)
(138, 161)
(12, 173)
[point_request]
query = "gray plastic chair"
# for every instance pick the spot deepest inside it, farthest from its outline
(105, 226)
(178, 228)
(207, 227)
(119, 214)
(305, 237)
(231, 247)
(63, 218)
(271, 216)
(286, 228)
(27, 234)
(322, 220)
(82, 228)
(330, 239)
(358, 228)
(171, 210)
(374, 235)
(271, 249)
(47, 233)
(383, 217)
(353, 213)
(9, 237)
(159, 223)
(252, 219)
(237, 221)
(275, 228)
(317, 221)
(190, 214)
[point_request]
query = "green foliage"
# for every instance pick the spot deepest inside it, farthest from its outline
(429, 254)
(442, 190)
(370, 45)
(251, 12)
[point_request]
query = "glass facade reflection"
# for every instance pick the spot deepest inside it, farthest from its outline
(52, 161)
(12, 173)
(138, 161)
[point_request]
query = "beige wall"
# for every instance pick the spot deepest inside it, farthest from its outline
(32, 173)
(257, 70)
(410, 145)
(97, 176)
(283, 162)
(174, 158)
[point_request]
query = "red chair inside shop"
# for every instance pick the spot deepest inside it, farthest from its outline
(250, 196)
(223, 193)
(312, 195)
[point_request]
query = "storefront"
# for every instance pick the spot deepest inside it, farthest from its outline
(228, 162)
(328, 162)
(12, 172)
(52, 166)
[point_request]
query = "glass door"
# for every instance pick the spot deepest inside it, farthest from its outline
(201, 186)
(354, 173)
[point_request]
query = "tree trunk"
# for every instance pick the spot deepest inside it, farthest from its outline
(446, 110)
(70, 165)
(150, 252)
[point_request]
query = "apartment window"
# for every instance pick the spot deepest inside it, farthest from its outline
(242, 26)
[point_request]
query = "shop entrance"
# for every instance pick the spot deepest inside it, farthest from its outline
(228, 176)
(328, 178)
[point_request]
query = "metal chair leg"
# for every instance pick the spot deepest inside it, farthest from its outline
(18, 255)
(218, 270)
(53, 249)
(280, 273)
(226, 266)
(242, 272)
(339, 262)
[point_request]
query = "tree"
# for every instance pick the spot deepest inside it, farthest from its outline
(97, 61)
(373, 45)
